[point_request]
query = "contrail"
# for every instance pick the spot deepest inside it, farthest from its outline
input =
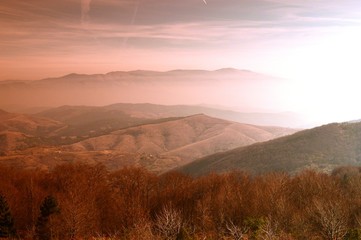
(134, 17)
(205, 2)
(135, 13)
(85, 8)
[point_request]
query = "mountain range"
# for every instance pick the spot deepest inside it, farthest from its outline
(89, 118)
(238, 89)
(160, 139)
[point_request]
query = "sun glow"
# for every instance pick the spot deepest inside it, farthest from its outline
(326, 78)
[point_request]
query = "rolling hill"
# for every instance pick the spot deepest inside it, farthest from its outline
(176, 133)
(322, 148)
(20, 131)
(181, 140)
(28, 124)
(91, 120)
(158, 146)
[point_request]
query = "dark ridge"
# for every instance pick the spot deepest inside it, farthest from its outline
(322, 148)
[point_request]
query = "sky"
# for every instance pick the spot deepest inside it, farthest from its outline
(314, 43)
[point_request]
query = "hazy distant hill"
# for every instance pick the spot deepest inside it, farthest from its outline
(185, 86)
(162, 111)
(227, 87)
(322, 148)
(90, 120)
(158, 146)
(126, 114)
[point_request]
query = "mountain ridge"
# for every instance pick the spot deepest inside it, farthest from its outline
(227, 87)
(142, 73)
(181, 139)
(322, 148)
(158, 146)
(148, 110)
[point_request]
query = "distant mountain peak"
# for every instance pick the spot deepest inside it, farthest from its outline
(234, 70)
(187, 71)
(73, 75)
(141, 72)
(230, 70)
(67, 76)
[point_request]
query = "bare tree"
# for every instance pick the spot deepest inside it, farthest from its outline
(236, 232)
(268, 230)
(332, 219)
(169, 223)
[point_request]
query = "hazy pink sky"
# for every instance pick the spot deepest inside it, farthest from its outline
(315, 44)
(41, 38)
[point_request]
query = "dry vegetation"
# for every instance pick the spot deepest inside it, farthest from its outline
(322, 148)
(88, 135)
(133, 203)
(186, 138)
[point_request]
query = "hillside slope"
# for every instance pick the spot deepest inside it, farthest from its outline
(185, 139)
(158, 146)
(91, 120)
(28, 124)
(20, 131)
(322, 148)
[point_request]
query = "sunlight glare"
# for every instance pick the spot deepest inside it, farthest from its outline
(326, 79)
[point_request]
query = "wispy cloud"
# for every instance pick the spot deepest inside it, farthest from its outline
(237, 28)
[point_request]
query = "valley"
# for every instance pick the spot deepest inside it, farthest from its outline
(94, 127)
(180, 120)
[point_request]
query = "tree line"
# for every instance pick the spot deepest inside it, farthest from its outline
(78, 201)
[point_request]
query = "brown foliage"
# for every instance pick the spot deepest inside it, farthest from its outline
(133, 203)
